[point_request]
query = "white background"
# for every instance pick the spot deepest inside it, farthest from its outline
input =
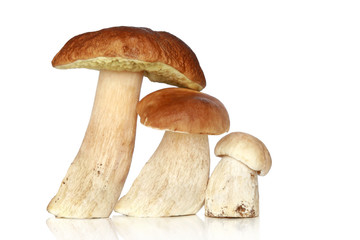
(287, 71)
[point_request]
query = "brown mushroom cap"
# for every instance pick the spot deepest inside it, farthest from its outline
(246, 149)
(162, 56)
(183, 110)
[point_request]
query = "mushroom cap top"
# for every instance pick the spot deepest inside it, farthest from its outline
(183, 110)
(160, 55)
(246, 149)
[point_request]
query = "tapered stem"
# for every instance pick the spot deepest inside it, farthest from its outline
(96, 177)
(173, 181)
(232, 190)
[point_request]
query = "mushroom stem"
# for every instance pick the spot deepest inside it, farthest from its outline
(96, 177)
(232, 190)
(173, 182)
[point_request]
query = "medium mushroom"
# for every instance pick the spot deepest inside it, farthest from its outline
(173, 181)
(123, 55)
(233, 186)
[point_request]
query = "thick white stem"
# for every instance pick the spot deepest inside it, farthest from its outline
(96, 177)
(173, 181)
(232, 190)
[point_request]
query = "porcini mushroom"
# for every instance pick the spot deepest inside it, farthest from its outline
(173, 181)
(233, 186)
(123, 55)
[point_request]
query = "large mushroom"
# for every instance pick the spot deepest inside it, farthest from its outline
(233, 186)
(123, 55)
(174, 180)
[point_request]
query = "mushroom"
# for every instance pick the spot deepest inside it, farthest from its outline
(173, 181)
(123, 55)
(233, 186)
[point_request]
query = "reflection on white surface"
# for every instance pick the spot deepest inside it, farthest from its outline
(187, 227)
(78, 229)
(173, 228)
(232, 228)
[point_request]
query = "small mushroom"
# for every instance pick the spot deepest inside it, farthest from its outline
(173, 181)
(233, 186)
(123, 55)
